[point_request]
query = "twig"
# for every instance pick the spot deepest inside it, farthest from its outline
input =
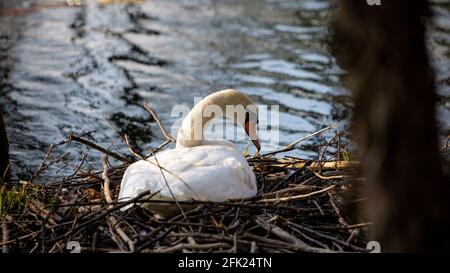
(191, 246)
(446, 145)
(319, 234)
(161, 127)
(39, 208)
(154, 151)
(342, 221)
(98, 148)
(132, 151)
(354, 232)
(297, 197)
(5, 236)
(312, 240)
(293, 144)
(324, 177)
(45, 166)
(282, 234)
(114, 223)
(124, 139)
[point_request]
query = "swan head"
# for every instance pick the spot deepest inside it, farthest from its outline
(231, 103)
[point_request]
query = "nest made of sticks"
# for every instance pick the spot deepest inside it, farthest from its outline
(298, 208)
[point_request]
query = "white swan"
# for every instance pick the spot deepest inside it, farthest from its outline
(212, 170)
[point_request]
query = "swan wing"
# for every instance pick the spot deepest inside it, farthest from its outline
(210, 172)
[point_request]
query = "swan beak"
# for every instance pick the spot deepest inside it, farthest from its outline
(250, 129)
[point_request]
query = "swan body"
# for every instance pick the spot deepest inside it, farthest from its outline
(208, 170)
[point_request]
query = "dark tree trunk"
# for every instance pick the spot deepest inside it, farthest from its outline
(383, 49)
(4, 147)
(4, 151)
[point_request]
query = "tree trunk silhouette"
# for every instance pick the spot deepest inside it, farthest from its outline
(384, 52)
(4, 151)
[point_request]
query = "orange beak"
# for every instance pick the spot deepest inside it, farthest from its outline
(251, 132)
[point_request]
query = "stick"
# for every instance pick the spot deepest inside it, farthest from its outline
(125, 141)
(100, 215)
(158, 122)
(323, 177)
(297, 197)
(44, 166)
(132, 151)
(40, 210)
(158, 148)
(322, 245)
(292, 145)
(285, 236)
(5, 236)
(319, 234)
(446, 145)
(191, 246)
(98, 148)
(327, 165)
(354, 232)
(112, 219)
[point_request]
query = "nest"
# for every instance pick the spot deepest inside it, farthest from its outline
(298, 208)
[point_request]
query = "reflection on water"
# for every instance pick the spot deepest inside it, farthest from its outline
(71, 69)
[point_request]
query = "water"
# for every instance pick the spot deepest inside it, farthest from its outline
(71, 69)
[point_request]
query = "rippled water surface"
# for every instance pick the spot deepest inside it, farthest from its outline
(85, 70)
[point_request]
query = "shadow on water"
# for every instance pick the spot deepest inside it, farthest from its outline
(71, 69)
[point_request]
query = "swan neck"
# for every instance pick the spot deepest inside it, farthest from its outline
(191, 131)
(213, 106)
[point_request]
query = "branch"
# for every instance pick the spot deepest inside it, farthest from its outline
(98, 148)
(153, 113)
(286, 236)
(113, 221)
(292, 145)
(179, 247)
(297, 197)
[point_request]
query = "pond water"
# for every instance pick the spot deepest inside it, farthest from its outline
(87, 69)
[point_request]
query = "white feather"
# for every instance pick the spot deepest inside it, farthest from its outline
(209, 172)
